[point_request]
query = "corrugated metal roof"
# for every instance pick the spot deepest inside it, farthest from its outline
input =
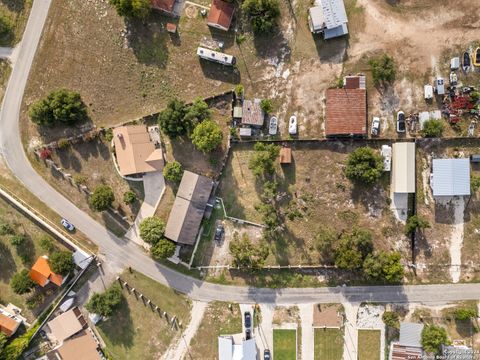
(410, 334)
(334, 13)
(403, 169)
(451, 177)
(337, 31)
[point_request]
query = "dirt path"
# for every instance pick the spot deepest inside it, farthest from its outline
(351, 334)
(178, 350)
(456, 239)
(306, 316)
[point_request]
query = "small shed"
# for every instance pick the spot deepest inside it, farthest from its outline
(285, 155)
(245, 132)
(237, 112)
(451, 177)
(455, 63)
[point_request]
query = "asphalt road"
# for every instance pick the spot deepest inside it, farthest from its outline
(120, 253)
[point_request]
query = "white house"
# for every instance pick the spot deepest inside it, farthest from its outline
(328, 17)
(236, 349)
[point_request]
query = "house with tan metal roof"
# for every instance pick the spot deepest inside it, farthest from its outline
(403, 168)
(188, 209)
(220, 15)
(82, 346)
(135, 152)
(66, 325)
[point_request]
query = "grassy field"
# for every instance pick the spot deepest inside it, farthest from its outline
(368, 344)
(16, 259)
(134, 331)
(285, 344)
(328, 344)
(217, 320)
(17, 12)
(319, 196)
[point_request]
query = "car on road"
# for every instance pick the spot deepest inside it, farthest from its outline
(219, 231)
(375, 126)
(67, 225)
(292, 125)
(248, 334)
(267, 355)
(272, 129)
(401, 126)
(248, 320)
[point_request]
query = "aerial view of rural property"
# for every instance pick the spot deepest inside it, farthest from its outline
(240, 179)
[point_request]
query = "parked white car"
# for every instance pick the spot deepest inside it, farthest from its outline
(273, 127)
(67, 225)
(292, 125)
(375, 126)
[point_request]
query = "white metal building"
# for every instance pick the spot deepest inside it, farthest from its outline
(451, 177)
(403, 169)
(328, 17)
(228, 349)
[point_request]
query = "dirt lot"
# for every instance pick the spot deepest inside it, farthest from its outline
(323, 196)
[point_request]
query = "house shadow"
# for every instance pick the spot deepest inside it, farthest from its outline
(7, 265)
(332, 51)
(444, 212)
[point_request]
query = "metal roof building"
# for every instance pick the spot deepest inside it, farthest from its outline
(229, 349)
(451, 177)
(410, 334)
(346, 113)
(329, 17)
(403, 167)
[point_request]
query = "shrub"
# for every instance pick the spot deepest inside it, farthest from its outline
(63, 143)
(3, 341)
(129, 197)
(163, 249)
(239, 89)
(108, 135)
(364, 166)
(465, 314)
(266, 106)
(18, 345)
(390, 318)
(433, 337)
(61, 262)
(46, 243)
(18, 240)
(102, 198)
(263, 14)
(415, 222)
(352, 249)
(246, 254)
(384, 267)
(474, 183)
(207, 136)
(383, 69)
(433, 128)
(60, 106)
(6, 229)
(132, 8)
(173, 171)
(262, 162)
(79, 179)
(172, 120)
(104, 304)
(21, 282)
(152, 229)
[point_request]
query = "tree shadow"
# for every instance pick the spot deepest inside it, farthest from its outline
(7, 264)
(14, 5)
(272, 46)
(464, 328)
(53, 133)
(68, 160)
(119, 327)
(148, 39)
(26, 251)
(92, 148)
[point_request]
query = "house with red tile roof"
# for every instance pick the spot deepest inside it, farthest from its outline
(221, 14)
(41, 273)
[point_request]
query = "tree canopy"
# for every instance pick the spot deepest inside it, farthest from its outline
(132, 8)
(415, 222)
(390, 318)
(60, 106)
(163, 249)
(384, 267)
(433, 337)
(102, 198)
(262, 161)
(152, 229)
(433, 128)
(197, 112)
(61, 262)
(105, 303)
(129, 197)
(364, 165)
(266, 106)
(353, 247)
(18, 240)
(21, 282)
(246, 254)
(173, 171)
(207, 136)
(263, 14)
(383, 69)
(172, 120)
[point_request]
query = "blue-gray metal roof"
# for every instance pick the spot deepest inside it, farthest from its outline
(451, 177)
(335, 32)
(410, 334)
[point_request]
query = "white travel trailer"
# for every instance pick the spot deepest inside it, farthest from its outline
(440, 86)
(428, 89)
(216, 56)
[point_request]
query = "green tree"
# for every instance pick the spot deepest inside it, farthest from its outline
(385, 267)
(61, 262)
(239, 90)
(105, 303)
(263, 14)
(129, 197)
(207, 136)
(364, 165)
(269, 215)
(46, 243)
(18, 240)
(172, 120)
(353, 247)
(465, 313)
(79, 179)
(21, 282)
(102, 198)
(197, 112)
(433, 337)
(163, 249)
(383, 69)
(132, 8)
(60, 106)
(474, 184)
(390, 318)
(6, 229)
(415, 222)
(17, 346)
(266, 106)
(173, 172)
(262, 161)
(6, 28)
(3, 341)
(152, 229)
(432, 128)
(246, 254)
